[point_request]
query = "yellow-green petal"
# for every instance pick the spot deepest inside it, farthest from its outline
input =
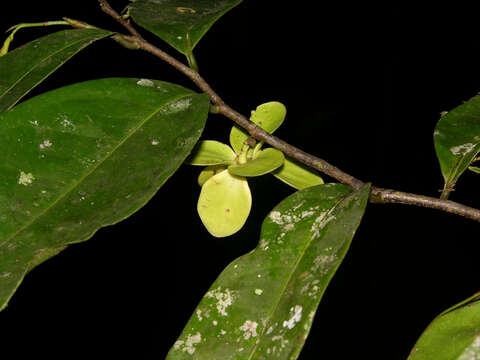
(268, 116)
(211, 152)
(264, 162)
(208, 172)
(297, 175)
(224, 204)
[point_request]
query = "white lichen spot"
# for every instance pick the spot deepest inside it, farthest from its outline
(323, 263)
(283, 342)
(320, 222)
(472, 352)
(199, 314)
(45, 144)
(258, 291)
(224, 299)
(307, 214)
(188, 345)
(25, 179)
(5, 275)
(295, 317)
(178, 344)
(145, 82)
(264, 244)
(276, 217)
(462, 149)
(249, 328)
(215, 322)
(155, 142)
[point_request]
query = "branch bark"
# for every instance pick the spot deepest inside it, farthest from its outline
(378, 195)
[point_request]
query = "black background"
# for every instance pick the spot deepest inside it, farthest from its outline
(364, 88)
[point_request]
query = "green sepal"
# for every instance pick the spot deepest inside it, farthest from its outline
(268, 116)
(297, 175)
(211, 152)
(265, 162)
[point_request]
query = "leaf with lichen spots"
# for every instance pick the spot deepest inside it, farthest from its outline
(262, 305)
(457, 140)
(453, 335)
(85, 156)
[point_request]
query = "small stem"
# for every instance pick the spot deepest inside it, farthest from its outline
(17, 27)
(106, 8)
(242, 157)
(192, 62)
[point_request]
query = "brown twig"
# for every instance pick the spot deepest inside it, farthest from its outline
(105, 6)
(378, 195)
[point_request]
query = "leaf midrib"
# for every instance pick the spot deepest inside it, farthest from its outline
(290, 276)
(38, 63)
(98, 164)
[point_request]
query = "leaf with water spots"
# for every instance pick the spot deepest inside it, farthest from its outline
(85, 156)
(263, 304)
(25, 67)
(457, 141)
(180, 23)
(453, 335)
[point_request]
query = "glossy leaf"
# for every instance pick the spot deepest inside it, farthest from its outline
(453, 335)
(208, 172)
(265, 161)
(457, 140)
(211, 152)
(224, 204)
(297, 175)
(181, 23)
(263, 304)
(268, 116)
(85, 156)
(25, 67)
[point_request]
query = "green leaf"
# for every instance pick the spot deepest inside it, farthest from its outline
(297, 175)
(453, 335)
(457, 140)
(265, 161)
(475, 169)
(224, 204)
(268, 116)
(211, 152)
(85, 156)
(208, 172)
(181, 23)
(25, 67)
(262, 305)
